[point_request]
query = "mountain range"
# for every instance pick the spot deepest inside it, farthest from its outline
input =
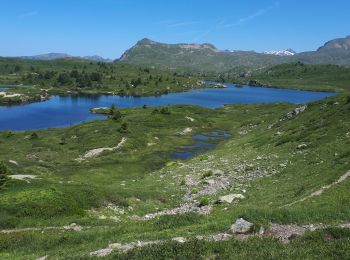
(55, 56)
(206, 57)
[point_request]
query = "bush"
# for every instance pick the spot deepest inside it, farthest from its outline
(123, 128)
(9, 134)
(207, 174)
(117, 115)
(34, 135)
(205, 201)
(194, 191)
(165, 111)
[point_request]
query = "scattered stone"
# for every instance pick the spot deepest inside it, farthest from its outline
(294, 112)
(73, 227)
(189, 118)
(230, 197)
(219, 237)
(190, 181)
(290, 115)
(13, 162)
(102, 252)
(241, 226)
(179, 239)
(301, 146)
(285, 232)
(187, 130)
(261, 231)
(209, 182)
(24, 177)
(42, 257)
(185, 208)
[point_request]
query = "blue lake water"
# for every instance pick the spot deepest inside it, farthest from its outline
(62, 111)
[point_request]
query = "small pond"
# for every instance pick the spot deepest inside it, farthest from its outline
(202, 143)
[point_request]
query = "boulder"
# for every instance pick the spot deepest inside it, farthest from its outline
(241, 226)
(230, 197)
(13, 162)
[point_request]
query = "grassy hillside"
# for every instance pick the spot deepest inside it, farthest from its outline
(193, 57)
(291, 75)
(73, 76)
(275, 161)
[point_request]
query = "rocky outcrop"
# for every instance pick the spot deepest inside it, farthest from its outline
(290, 115)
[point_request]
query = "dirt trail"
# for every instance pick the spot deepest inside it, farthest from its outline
(70, 227)
(321, 190)
(285, 233)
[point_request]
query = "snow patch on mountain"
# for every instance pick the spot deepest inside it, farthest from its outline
(288, 52)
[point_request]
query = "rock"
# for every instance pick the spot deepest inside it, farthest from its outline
(210, 182)
(218, 172)
(179, 239)
(102, 252)
(73, 227)
(294, 112)
(13, 162)
(241, 226)
(24, 177)
(230, 197)
(301, 146)
(187, 130)
(42, 257)
(261, 231)
(289, 115)
(219, 85)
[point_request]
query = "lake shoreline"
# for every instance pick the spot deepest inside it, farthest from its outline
(62, 111)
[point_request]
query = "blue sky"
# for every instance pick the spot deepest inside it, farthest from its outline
(109, 27)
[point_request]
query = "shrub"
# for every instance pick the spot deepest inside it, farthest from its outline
(207, 174)
(9, 134)
(165, 111)
(194, 191)
(63, 141)
(205, 201)
(123, 128)
(155, 111)
(112, 109)
(33, 136)
(117, 115)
